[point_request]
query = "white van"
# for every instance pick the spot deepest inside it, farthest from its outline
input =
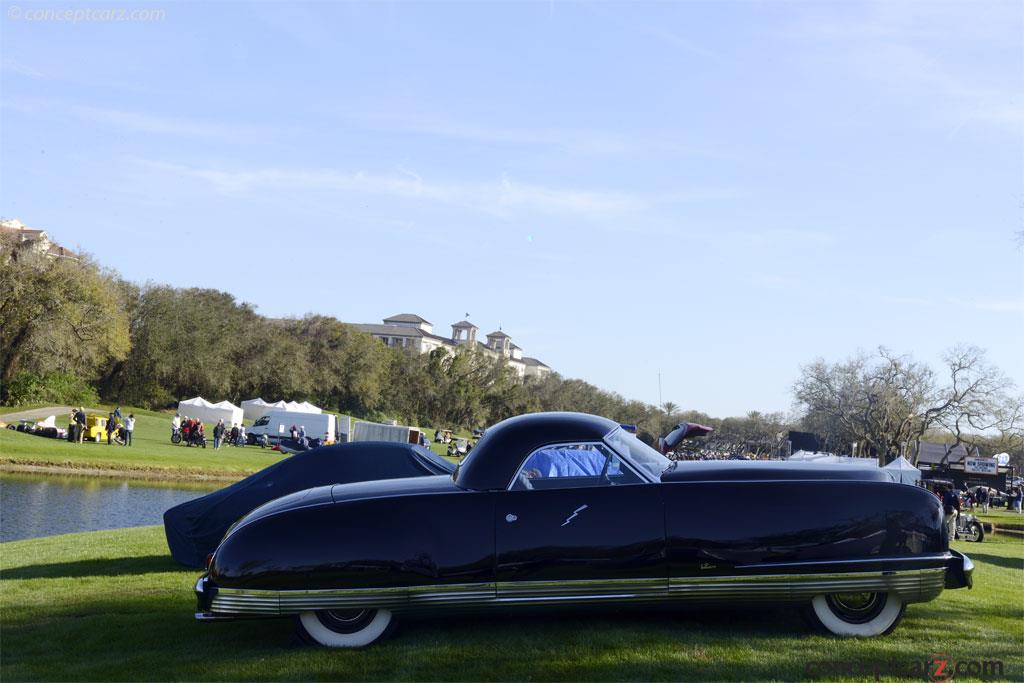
(277, 425)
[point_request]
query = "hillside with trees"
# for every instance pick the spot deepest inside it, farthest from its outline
(74, 332)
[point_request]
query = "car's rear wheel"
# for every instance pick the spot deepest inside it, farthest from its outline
(345, 628)
(857, 614)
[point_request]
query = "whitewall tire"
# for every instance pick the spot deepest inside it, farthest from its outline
(345, 628)
(858, 615)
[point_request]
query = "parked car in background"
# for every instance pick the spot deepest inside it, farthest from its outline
(96, 427)
(564, 508)
(276, 425)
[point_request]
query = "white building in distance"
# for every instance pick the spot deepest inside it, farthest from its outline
(410, 331)
(33, 240)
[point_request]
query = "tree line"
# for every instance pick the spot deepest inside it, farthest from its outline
(74, 332)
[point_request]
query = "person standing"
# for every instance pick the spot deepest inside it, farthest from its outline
(950, 510)
(80, 425)
(117, 413)
(111, 426)
(218, 433)
(129, 429)
(1018, 494)
(982, 497)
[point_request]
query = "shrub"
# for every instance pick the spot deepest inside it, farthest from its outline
(51, 388)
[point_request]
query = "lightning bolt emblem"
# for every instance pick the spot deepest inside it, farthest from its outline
(575, 512)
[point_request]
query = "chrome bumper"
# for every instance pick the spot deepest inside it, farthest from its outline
(959, 571)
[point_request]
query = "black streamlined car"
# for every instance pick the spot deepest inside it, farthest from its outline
(564, 508)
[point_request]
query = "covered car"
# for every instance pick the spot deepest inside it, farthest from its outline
(565, 508)
(196, 527)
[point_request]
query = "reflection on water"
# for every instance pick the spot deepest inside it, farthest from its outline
(32, 505)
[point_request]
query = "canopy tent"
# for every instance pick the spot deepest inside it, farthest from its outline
(199, 408)
(902, 471)
(831, 459)
(256, 408)
(304, 407)
(195, 527)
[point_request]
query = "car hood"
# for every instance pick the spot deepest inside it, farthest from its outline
(770, 470)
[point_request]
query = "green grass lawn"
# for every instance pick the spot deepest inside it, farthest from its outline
(111, 605)
(152, 451)
(997, 515)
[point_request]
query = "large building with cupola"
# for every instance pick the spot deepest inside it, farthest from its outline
(410, 331)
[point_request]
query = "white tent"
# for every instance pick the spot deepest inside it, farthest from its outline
(256, 408)
(199, 408)
(902, 471)
(819, 458)
(307, 407)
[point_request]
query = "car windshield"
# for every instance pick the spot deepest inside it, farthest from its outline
(639, 453)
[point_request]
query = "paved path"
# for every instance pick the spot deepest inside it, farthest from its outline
(39, 414)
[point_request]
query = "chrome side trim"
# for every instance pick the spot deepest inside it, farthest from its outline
(912, 585)
(593, 590)
(937, 560)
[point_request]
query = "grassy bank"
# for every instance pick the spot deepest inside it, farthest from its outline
(152, 454)
(113, 606)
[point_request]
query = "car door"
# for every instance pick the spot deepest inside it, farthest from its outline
(588, 527)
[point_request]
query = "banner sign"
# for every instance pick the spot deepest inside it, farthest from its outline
(980, 465)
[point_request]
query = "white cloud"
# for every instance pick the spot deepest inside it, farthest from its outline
(784, 236)
(12, 66)
(992, 305)
(579, 141)
(936, 53)
(167, 125)
(501, 198)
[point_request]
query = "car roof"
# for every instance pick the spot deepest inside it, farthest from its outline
(495, 459)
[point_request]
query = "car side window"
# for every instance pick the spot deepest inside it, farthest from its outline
(563, 466)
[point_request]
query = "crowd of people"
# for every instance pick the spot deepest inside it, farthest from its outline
(117, 428)
(192, 432)
(235, 435)
(954, 501)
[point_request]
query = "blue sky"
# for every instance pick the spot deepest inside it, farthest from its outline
(717, 192)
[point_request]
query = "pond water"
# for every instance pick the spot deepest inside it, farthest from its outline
(43, 505)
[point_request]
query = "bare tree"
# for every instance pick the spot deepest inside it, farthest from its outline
(887, 403)
(976, 403)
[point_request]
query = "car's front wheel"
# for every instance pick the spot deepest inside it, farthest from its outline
(857, 614)
(345, 628)
(974, 532)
